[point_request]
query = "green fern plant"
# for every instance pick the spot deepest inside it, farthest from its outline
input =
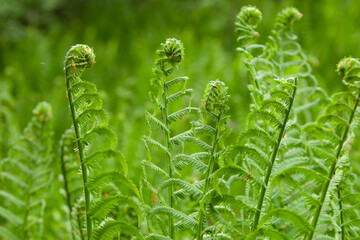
(213, 121)
(103, 189)
(26, 178)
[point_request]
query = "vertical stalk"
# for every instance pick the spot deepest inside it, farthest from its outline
(81, 157)
(341, 215)
(271, 163)
(199, 235)
(168, 159)
(63, 171)
(331, 173)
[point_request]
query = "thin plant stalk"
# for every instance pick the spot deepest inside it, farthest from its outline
(271, 163)
(199, 235)
(331, 174)
(168, 160)
(81, 158)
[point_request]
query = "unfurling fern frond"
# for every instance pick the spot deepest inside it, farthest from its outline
(165, 94)
(254, 56)
(289, 60)
(332, 136)
(26, 179)
(95, 143)
(213, 124)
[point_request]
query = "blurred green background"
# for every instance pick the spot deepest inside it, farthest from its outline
(36, 34)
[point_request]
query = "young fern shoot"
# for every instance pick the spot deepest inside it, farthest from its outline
(214, 105)
(95, 143)
(170, 55)
(335, 134)
(254, 56)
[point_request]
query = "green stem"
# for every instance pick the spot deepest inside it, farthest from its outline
(271, 162)
(199, 235)
(66, 186)
(81, 157)
(341, 215)
(331, 174)
(168, 159)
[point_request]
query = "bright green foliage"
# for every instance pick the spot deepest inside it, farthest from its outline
(26, 179)
(280, 57)
(95, 144)
(285, 172)
(212, 124)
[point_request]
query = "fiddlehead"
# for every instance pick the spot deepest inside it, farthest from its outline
(289, 60)
(25, 194)
(95, 143)
(254, 56)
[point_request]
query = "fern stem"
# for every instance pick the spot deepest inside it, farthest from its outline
(341, 215)
(331, 173)
(272, 161)
(66, 186)
(199, 235)
(81, 157)
(168, 159)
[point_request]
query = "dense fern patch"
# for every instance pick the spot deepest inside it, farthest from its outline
(286, 175)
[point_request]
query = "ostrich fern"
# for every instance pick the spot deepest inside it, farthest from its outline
(95, 143)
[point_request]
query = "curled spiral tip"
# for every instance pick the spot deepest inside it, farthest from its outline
(172, 52)
(349, 71)
(249, 15)
(42, 112)
(215, 97)
(246, 22)
(286, 18)
(78, 57)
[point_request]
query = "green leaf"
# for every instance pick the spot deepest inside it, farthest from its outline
(100, 208)
(11, 217)
(291, 216)
(186, 220)
(99, 156)
(111, 228)
(189, 188)
(111, 177)
(6, 234)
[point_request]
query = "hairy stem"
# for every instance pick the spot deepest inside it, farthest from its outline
(272, 161)
(199, 235)
(168, 159)
(331, 174)
(81, 157)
